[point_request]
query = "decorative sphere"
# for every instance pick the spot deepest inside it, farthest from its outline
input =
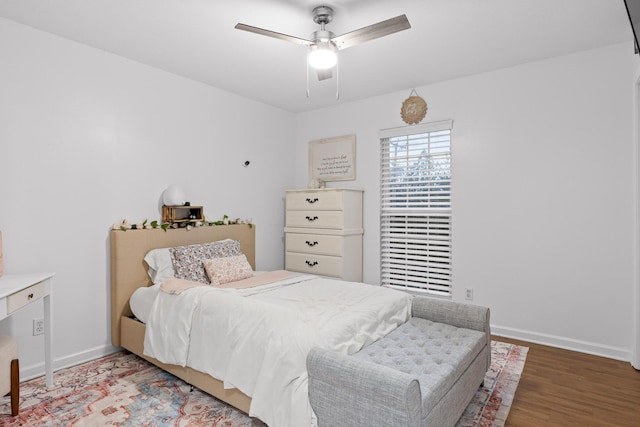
(174, 196)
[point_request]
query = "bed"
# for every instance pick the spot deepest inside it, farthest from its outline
(377, 317)
(129, 272)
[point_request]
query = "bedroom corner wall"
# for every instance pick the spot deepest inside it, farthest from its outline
(635, 357)
(542, 194)
(87, 139)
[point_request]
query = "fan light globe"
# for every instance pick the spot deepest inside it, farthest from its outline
(322, 56)
(174, 196)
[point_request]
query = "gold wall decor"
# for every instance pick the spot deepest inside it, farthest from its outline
(414, 108)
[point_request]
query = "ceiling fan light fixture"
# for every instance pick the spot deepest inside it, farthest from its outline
(322, 55)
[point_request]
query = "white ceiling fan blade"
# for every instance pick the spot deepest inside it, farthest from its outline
(324, 74)
(273, 34)
(374, 31)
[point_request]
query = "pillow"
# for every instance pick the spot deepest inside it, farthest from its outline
(227, 269)
(187, 260)
(160, 265)
(141, 301)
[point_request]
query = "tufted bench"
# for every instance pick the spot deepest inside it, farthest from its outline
(424, 373)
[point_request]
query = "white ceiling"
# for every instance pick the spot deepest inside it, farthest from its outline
(448, 39)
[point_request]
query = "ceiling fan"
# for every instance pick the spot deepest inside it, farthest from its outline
(323, 45)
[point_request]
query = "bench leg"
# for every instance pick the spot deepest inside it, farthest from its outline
(15, 387)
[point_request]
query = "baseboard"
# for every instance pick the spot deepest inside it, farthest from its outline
(564, 343)
(37, 370)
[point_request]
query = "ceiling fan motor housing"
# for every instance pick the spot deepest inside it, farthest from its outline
(322, 36)
(322, 15)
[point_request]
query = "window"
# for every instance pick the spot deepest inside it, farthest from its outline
(415, 223)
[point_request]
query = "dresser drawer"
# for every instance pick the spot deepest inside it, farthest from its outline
(24, 297)
(315, 200)
(314, 244)
(315, 219)
(314, 264)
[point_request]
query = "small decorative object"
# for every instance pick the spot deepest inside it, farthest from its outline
(182, 213)
(414, 108)
(173, 195)
(189, 222)
(144, 225)
(316, 183)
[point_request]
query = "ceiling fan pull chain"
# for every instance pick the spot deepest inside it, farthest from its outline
(307, 74)
(337, 81)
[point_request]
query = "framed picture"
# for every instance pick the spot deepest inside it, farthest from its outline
(333, 159)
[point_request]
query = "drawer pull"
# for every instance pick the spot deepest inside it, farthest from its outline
(309, 218)
(311, 264)
(312, 244)
(312, 201)
(30, 296)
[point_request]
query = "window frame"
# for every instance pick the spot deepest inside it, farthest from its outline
(416, 226)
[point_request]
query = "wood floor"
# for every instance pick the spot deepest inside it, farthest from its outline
(564, 388)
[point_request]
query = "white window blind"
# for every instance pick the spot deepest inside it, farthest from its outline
(415, 223)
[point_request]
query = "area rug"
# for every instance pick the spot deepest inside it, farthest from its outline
(125, 390)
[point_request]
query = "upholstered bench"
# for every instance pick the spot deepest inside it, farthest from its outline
(424, 373)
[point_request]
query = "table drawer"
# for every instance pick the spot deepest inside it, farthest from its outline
(316, 200)
(314, 264)
(24, 297)
(315, 244)
(315, 219)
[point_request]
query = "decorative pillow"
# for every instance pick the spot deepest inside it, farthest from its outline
(160, 265)
(227, 269)
(187, 260)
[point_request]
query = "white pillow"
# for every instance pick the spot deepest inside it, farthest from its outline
(160, 265)
(141, 301)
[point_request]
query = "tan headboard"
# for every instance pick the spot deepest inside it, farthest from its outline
(129, 271)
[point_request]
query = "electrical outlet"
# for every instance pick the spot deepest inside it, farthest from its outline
(38, 327)
(468, 293)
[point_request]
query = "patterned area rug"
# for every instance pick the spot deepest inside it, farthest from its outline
(125, 390)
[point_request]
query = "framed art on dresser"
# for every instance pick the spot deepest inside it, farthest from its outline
(333, 159)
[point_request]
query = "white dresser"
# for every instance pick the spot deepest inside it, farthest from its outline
(323, 232)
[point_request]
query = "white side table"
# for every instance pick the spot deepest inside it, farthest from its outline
(20, 290)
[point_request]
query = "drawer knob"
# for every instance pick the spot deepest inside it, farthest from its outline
(30, 296)
(311, 243)
(312, 201)
(313, 218)
(312, 264)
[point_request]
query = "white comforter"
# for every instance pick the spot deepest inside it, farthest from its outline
(257, 339)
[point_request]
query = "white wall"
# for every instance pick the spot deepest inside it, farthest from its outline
(635, 358)
(87, 139)
(543, 192)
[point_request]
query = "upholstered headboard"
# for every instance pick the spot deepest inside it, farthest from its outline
(129, 271)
